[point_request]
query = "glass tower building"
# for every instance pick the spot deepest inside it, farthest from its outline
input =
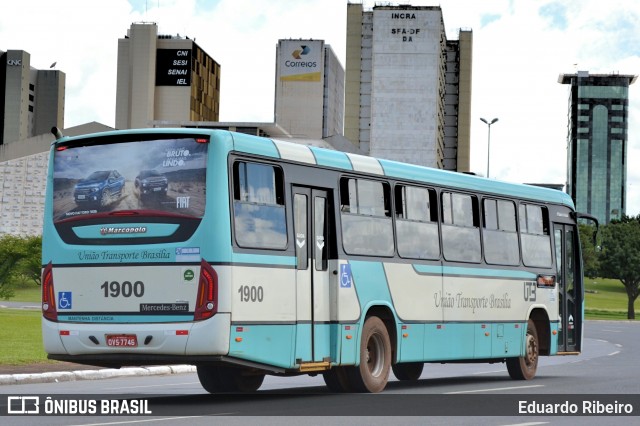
(597, 142)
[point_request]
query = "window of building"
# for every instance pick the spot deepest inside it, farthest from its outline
(367, 227)
(258, 205)
(460, 227)
(417, 222)
(534, 234)
(500, 237)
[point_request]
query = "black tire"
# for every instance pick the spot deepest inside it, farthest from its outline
(408, 370)
(216, 379)
(336, 380)
(525, 367)
(105, 198)
(375, 358)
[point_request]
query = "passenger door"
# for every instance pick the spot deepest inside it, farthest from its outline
(311, 227)
(570, 289)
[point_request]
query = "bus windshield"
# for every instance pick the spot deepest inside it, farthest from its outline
(161, 176)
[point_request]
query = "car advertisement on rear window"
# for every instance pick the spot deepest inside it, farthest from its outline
(164, 176)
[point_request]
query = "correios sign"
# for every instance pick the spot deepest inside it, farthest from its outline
(301, 60)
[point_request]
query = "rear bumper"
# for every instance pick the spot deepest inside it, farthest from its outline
(159, 343)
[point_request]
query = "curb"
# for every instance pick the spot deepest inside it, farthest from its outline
(107, 373)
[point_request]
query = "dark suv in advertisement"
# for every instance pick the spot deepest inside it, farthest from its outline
(101, 188)
(150, 182)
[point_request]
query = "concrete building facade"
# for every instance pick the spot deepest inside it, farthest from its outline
(164, 78)
(23, 178)
(408, 89)
(597, 142)
(32, 100)
(309, 97)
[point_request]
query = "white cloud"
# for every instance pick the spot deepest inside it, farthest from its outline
(520, 48)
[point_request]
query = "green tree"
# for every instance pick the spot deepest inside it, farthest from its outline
(30, 266)
(12, 251)
(589, 254)
(20, 257)
(620, 256)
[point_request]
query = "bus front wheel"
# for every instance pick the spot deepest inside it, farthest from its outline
(375, 358)
(215, 379)
(525, 367)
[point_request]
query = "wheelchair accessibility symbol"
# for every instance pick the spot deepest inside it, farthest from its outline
(345, 276)
(64, 300)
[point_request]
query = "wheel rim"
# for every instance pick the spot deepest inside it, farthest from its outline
(531, 358)
(375, 355)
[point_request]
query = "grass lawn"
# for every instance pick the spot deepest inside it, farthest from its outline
(21, 337)
(26, 293)
(606, 299)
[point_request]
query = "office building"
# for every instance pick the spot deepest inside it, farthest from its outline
(309, 98)
(164, 77)
(31, 100)
(408, 88)
(597, 142)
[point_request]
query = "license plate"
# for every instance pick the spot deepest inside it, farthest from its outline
(122, 340)
(80, 197)
(157, 189)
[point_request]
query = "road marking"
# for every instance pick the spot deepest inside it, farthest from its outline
(614, 353)
(528, 424)
(495, 389)
(153, 420)
(153, 386)
(489, 372)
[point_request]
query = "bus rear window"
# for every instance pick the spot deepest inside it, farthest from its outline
(161, 176)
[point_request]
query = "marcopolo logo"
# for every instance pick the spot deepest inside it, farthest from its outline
(110, 230)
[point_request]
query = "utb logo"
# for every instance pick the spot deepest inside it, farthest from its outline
(296, 53)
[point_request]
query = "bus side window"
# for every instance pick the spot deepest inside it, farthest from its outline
(500, 236)
(534, 236)
(258, 206)
(460, 227)
(367, 228)
(417, 222)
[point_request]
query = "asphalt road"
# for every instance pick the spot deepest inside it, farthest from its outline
(459, 394)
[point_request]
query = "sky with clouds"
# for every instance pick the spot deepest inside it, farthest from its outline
(519, 49)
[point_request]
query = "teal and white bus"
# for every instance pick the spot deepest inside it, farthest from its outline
(247, 256)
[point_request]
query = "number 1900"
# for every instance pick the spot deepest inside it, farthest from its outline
(124, 289)
(251, 293)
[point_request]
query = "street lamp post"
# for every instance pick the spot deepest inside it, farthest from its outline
(488, 123)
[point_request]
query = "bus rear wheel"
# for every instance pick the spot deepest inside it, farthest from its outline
(215, 379)
(525, 367)
(408, 370)
(375, 358)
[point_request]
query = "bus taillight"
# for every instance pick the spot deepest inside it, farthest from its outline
(207, 297)
(48, 295)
